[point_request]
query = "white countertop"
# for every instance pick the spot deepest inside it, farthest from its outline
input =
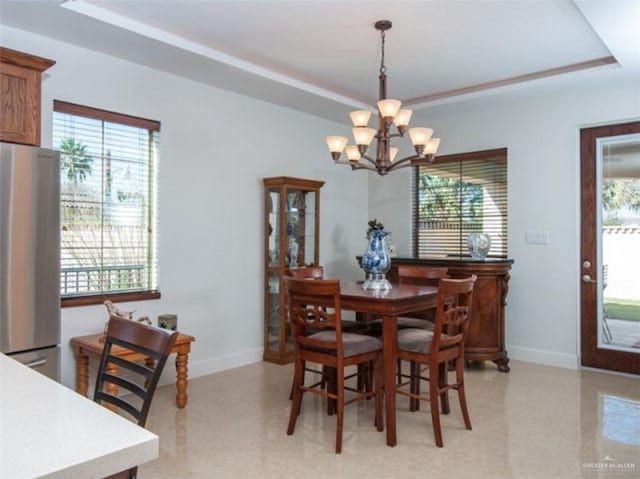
(48, 430)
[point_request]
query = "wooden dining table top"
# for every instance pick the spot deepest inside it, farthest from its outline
(401, 298)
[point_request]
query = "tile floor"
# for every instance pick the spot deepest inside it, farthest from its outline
(534, 422)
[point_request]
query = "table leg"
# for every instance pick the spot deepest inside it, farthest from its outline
(182, 360)
(389, 345)
(82, 373)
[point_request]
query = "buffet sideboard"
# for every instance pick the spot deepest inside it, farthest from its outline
(485, 336)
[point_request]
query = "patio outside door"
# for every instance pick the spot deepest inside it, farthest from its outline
(610, 250)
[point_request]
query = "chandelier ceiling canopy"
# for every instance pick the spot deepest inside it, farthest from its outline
(389, 112)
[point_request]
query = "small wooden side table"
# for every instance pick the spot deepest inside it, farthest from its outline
(91, 345)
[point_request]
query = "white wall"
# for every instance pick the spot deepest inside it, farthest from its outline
(210, 195)
(541, 134)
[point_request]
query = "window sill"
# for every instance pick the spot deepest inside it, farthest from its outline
(115, 297)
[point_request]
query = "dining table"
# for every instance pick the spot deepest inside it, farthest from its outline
(388, 305)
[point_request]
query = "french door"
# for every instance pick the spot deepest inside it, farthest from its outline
(610, 247)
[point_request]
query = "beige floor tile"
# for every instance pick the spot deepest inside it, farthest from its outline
(534, 422)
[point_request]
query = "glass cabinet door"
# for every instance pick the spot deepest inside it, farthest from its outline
(272, 327)
(273, 202)
(309, 229)
(300, 228)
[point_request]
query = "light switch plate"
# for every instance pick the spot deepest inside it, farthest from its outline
(537, 237)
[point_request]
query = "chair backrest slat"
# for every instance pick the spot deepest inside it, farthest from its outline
(421, 274)
(307, 272)
(120, 403)
(127, 384)
(453, 312)
(136, 368)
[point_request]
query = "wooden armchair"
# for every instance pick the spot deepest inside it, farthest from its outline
(315, 315)
(317, 272)
(422, 275)
(437, 348)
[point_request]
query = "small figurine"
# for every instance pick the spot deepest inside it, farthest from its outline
(112, 310)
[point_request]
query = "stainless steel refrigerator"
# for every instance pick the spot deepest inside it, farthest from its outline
(30, 256)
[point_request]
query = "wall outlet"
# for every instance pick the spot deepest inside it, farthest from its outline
(537, 237)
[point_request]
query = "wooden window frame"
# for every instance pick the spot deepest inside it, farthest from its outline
(415, 201)
(129, 120)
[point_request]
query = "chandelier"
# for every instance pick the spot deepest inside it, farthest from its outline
(389, 112)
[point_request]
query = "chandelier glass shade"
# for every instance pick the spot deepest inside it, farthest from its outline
(390, 112)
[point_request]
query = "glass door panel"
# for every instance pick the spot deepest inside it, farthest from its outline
(295, 208)
(273, 312)
(618, 168)
(274, 233)
(310, 227)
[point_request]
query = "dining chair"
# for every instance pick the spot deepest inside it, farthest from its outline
(425, 275)
(309, 272)
(140, 379)
(438, 348)
(317, 272)
(315, 318)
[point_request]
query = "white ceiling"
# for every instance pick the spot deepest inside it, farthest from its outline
(323, 57)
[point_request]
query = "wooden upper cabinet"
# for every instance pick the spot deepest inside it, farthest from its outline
(20, 77)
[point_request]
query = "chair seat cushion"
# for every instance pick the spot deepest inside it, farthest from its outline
(416, 340)
(352, 343)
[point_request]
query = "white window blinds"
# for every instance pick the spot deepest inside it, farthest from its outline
(457, 195)
(108, 200)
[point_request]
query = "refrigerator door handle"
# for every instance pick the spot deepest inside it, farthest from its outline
(36, 363)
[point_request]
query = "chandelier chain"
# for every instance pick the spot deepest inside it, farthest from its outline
(383, 68)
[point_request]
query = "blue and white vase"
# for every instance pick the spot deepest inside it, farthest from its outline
(376, 261)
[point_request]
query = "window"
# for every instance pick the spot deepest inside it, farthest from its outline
(108, 204)
(457, 195)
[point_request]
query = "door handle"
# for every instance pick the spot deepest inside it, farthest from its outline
(36, 363)
(587, 279)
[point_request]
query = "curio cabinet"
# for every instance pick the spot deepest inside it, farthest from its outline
(291, 224)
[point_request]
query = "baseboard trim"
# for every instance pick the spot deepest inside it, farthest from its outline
(214, 365)
(250, 356)
(541, 356)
